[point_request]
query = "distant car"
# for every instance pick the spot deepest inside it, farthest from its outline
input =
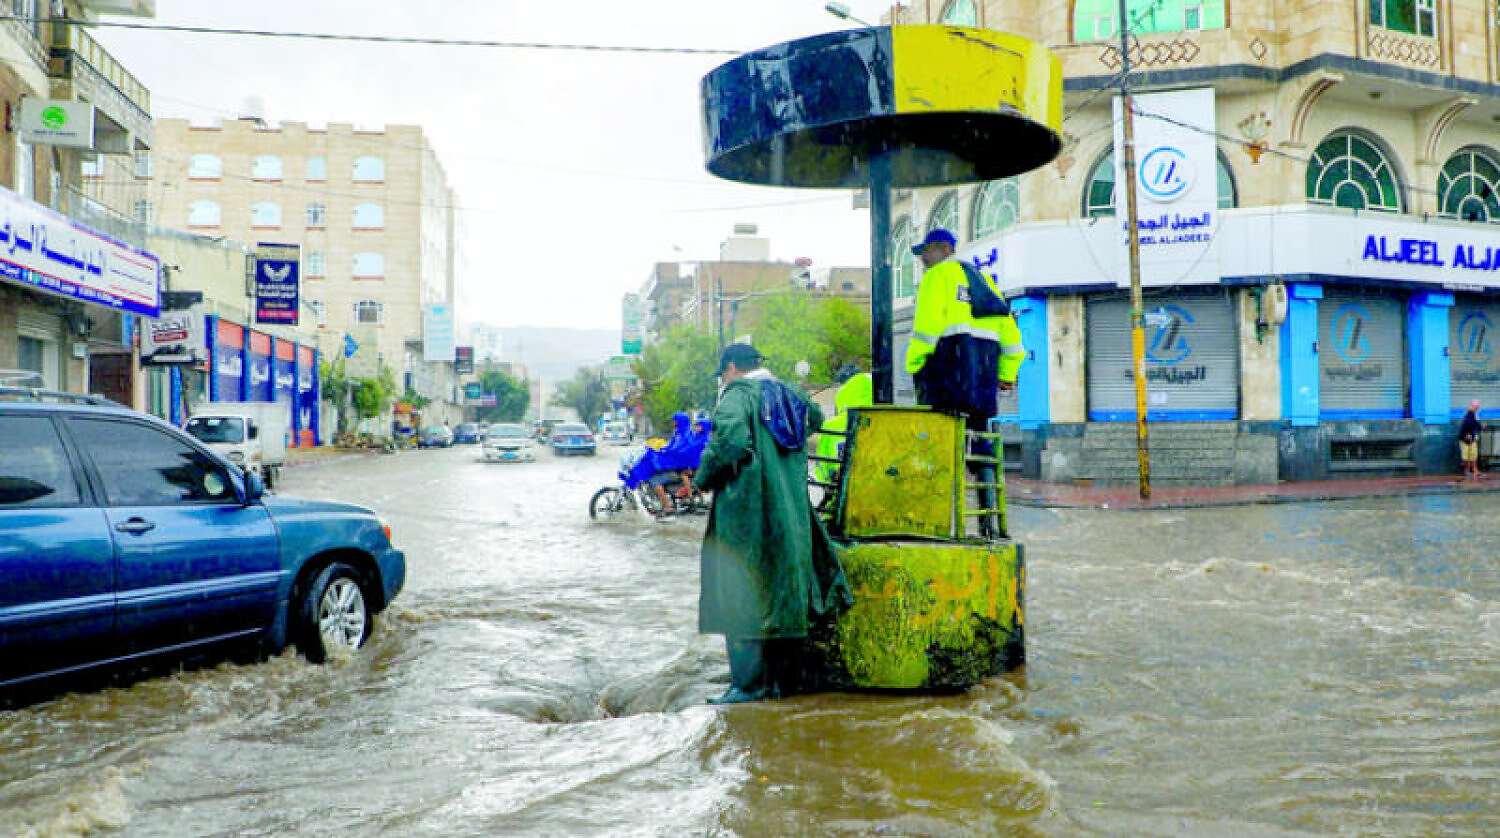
(542, 428)
(572, 438)
(617, 433)
(435, 436)
(123, 538)
(508, 444)
(466, 434)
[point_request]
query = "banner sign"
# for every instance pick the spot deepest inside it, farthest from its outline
(176, 337)
(278, 273)
(47, 251)
(620, 369)
(473, 391)
(463, 359)
(437, 334)
(60, 122)
(631, 333)
(1177, 186)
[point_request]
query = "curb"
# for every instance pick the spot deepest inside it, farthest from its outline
(1272, 499)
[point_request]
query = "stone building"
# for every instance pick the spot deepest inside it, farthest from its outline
(1355, 157)
(371, 208)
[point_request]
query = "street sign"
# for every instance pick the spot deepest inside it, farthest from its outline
(437, 333)
(620, 369)
(631, 335)
(472, 391)
(463, 360)
(278, 273)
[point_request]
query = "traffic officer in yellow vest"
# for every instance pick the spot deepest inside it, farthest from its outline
(965, 346)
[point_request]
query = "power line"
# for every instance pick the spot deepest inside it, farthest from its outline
(404, 40)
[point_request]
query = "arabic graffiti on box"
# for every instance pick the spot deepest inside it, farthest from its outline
(45, 250)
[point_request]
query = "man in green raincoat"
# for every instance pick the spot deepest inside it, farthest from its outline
(769, 569)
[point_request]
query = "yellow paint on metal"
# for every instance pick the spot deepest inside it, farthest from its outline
(955, 68)
(904, 472)
(929, 614)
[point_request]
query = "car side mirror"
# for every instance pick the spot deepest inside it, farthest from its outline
(254, 431)
(255, 487)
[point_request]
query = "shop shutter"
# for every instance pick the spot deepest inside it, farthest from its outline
(1361, 355)
(38, 323)
(1473, 341)
(1192, 358)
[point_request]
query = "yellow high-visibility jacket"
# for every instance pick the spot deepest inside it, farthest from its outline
(858, 391)
(943, 312)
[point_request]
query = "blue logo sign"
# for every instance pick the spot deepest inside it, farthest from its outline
(1474, 346)
(1349, 339)
(351, 346)
(1165, 173)
(276, 291)
(1169, 343)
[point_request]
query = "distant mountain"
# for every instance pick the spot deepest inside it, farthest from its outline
(555, 354)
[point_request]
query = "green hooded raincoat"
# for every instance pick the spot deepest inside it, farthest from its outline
(769, 567)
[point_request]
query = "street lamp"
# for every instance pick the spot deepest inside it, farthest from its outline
(841, 11)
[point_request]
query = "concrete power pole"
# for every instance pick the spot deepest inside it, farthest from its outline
(1137, 307)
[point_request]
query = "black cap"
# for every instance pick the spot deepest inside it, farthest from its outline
(742, 355)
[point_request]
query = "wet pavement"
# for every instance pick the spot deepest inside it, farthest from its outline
(1307, 669)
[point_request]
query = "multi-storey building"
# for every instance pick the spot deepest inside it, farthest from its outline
(371, 209)
(72, 335)
(1355, 154)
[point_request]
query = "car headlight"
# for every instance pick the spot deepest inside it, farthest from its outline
(237, 457)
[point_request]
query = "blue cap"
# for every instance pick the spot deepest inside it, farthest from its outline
(935, 235)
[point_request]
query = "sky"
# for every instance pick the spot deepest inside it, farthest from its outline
(576, 171)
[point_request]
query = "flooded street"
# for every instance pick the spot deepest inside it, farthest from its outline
(1305, 669)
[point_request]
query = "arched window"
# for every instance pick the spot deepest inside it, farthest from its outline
(203, 214)
(960, 13)
(369, 266)
(1099, 195)
(369, 217)
(205, 167)
(1467, 186)
(265, 214)
(266, 167)
(1349, 170)
(996, 207)
(369, 169)
(1095, 20)
(903, 270)
(944, 213)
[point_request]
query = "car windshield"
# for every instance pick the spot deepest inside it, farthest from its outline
(225, 429)
(571, 430)
(436, 430)
(506, 432)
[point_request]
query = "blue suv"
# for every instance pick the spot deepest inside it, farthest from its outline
(123, 539)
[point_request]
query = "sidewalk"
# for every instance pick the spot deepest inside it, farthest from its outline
(1024, 492)
(299, 457)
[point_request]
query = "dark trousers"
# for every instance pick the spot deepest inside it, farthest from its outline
(764, 666)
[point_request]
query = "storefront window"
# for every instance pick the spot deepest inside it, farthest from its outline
(902, 269)
(944, 213)
(1467, 187)
(1094, 20)
(1099, 195)
(996, 207)
(1348, 170)
(1415, 17)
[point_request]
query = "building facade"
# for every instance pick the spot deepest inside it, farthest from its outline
(1335, 313)
(371, 209)
(56, 330)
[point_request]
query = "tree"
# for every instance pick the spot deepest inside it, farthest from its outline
(512, 397)
(826, 332)
(373, 396)
(338, 389)
(677, 374)
(587, 393)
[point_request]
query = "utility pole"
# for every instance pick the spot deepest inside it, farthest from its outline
(1137, 307)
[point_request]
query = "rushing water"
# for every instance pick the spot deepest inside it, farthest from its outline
(1306, 669)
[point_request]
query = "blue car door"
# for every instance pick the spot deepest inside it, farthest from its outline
(195, 565)
(57, 565)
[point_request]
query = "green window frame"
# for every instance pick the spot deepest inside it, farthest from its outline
(944, 213)
(1350, 170)
(1095, 20)
(997, 206)
(960, 13)
(1414, 17)
(903, 271)
(1099, 192)
(1469, 187)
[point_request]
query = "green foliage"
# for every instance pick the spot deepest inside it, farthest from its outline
(416, 400)
(826, 332)
(587, 393)
(677, 373)
(512, 397)
(338, 389)
(373, 396)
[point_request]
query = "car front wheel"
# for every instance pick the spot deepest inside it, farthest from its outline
(334, 616)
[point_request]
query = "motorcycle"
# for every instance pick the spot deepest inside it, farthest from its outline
(632, 496)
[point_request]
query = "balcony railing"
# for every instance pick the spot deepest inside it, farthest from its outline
(98, 77)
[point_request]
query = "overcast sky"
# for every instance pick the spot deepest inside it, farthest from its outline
(577, 171)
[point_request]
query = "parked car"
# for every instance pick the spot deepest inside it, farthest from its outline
(542, 428)
(435, 436)
(508, 444)
(572, 438)
(618, 433)
(124, 539)
(252, 435)
(466, 434)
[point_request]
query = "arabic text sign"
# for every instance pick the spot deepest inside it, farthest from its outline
(176, 337)
(1177, 186)
(59, 122)
(45, 250)
(277, 278)
(437, 334)
(631, 317)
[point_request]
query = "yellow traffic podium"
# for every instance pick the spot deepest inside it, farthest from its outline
(937, 606)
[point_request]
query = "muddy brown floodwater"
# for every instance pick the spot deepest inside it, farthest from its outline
(1308, 669)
